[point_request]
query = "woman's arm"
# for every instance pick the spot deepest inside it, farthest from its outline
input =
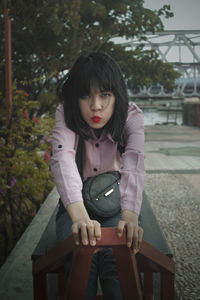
(132, 177)
(62, 163)
(69, 183)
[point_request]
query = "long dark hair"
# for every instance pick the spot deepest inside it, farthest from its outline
(94, 69)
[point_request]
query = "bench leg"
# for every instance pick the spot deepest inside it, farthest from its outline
(99, 297)
(128, 273)
(40, 287)
(61, 285)
(167, 286)
(79, 274)
(148, 285)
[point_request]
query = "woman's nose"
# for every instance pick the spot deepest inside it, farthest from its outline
(96, 104)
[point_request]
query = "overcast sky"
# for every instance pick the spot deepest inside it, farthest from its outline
(186, 17)
(186, 13)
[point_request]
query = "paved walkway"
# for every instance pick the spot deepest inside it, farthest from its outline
(173, 189)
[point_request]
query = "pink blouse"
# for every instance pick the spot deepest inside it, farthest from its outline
(101, 155)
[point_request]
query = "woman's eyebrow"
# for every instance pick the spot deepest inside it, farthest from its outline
(104, 90)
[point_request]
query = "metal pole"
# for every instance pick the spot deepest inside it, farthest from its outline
(8, 63)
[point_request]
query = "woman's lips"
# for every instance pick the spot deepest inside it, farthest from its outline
(96, 119)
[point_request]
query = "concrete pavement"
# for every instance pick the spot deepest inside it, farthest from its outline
(173, 190)
(172, 148)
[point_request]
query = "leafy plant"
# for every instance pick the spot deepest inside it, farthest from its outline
(25, 177)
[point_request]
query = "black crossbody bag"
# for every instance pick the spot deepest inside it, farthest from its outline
(101, 194)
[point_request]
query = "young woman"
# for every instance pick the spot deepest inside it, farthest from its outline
(94, 106)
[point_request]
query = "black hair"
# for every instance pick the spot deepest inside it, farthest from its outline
(100, 70)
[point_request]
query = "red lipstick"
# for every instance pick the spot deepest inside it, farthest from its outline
(96, 119)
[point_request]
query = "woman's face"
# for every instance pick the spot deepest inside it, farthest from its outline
(97, 107)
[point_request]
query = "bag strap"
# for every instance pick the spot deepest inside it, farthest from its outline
(79, 156)
(120, 148)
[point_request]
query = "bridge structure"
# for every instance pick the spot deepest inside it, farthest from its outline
(182, 49)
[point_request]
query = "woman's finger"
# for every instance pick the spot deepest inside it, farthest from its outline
(75, 232)
(97, 230)
(84, 234)
(140, 236)
(135, 238)
(129, 235)
(120, 228)
(90, 228)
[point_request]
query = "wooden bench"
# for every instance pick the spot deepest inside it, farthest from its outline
(151, 277)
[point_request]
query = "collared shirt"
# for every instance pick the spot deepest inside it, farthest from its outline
(101, 155)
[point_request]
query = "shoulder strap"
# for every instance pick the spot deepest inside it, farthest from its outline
(79, 156)
(121, 146)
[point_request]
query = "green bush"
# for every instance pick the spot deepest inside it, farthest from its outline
(25, 177)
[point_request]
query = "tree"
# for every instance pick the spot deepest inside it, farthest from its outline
(49, 35)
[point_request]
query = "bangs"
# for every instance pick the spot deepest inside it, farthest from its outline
(92, 77)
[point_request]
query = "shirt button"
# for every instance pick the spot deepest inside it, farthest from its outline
(97, 145)
(95, 169)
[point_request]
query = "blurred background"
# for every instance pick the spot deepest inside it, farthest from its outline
(157, 45)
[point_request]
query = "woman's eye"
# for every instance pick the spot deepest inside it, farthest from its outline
(85, 97)
(106, 94)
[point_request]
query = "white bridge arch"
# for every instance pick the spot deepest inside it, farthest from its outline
(182, 49)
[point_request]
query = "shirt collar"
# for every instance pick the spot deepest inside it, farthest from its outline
(102, 137)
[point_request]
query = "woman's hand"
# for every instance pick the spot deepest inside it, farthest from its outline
(85, 230)
(134, 233)
(90, 231)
